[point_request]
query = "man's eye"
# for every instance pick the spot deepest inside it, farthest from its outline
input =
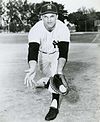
(45, 16)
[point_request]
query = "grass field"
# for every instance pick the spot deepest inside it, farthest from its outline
(21, 104)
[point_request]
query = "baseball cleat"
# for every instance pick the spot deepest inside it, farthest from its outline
(52, 114)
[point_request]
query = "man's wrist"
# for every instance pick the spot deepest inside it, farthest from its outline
(60, 72)
(32, 64)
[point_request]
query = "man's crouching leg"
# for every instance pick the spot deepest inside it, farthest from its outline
(54, 107)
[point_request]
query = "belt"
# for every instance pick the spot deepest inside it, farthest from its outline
(47, 52)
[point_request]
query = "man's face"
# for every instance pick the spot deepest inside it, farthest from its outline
(49, 20)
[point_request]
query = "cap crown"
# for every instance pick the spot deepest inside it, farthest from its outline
(48, 8)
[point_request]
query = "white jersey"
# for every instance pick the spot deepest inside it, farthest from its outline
(41, 35)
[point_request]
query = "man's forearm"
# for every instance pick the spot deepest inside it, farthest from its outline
(61, 64)
(63, 55)
(33, 51)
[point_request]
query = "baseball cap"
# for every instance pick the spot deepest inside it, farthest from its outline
(48, 8)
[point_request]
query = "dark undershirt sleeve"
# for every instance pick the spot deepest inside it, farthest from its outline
(33, 51)
(63, 49)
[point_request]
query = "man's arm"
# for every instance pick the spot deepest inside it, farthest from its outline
(33, 51)
(32, 66)
(63, 55)
(61, 64)
(32, 61)
(33, 56)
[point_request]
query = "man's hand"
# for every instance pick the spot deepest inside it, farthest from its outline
(29, 78)
(59, 84)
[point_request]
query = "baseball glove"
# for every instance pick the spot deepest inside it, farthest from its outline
(59, 84)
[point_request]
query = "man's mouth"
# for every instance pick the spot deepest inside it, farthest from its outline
(49, 22)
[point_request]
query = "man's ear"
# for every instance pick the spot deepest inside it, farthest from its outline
(41, 17)
(57, 16)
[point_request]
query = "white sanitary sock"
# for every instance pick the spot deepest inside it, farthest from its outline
(54, 103)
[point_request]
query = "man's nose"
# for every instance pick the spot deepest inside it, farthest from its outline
(49, 19)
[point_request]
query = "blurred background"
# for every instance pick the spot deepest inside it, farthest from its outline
(21, 15)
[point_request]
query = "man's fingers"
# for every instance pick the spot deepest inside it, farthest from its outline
(34, 83)
(25, 80)
(29, 82)
(29, 78)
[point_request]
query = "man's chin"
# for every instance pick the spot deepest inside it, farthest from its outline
(50, 26)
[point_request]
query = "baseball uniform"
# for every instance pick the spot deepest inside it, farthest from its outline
(48, 53)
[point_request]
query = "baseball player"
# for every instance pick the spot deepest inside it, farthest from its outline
(48, 49)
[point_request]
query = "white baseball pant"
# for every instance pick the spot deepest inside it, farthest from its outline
(48, 65)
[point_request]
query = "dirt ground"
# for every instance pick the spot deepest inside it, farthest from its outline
(21, 104)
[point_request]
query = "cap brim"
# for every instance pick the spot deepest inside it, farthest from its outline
(47, 12)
